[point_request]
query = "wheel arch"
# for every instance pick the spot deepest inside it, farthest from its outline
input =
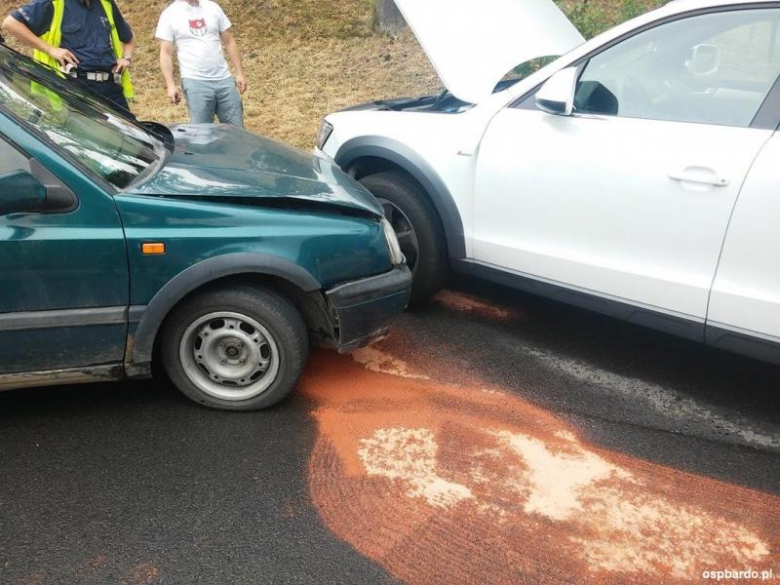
(281, 274)
(382, 154)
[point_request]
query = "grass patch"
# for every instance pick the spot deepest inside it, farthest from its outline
(305, 58)
(592, 17)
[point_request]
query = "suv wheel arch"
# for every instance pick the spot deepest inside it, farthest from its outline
(367, 155)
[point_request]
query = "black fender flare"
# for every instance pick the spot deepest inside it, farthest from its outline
(200, 274)
(415, 165)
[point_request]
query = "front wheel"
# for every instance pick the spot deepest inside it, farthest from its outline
(418, 228)
(237, 348)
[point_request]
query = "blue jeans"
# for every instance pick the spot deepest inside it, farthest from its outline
(205, 99)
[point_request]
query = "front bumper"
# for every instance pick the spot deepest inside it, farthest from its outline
(363, 309)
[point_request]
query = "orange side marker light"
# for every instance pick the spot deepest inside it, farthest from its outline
(153, 248)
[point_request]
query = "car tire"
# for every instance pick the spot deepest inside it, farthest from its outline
(405, 202)
(237, 348)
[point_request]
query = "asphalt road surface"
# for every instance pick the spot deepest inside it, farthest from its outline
(493, 438)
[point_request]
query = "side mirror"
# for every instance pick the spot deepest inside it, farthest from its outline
(557, 94)
(20, 192)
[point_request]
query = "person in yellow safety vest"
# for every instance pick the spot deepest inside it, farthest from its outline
(86, 39)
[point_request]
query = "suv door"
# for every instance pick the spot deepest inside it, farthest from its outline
(63, 271)
(630, 197)
(744, 311)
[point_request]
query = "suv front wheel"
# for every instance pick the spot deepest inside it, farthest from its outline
(418, 228)
(237, 348)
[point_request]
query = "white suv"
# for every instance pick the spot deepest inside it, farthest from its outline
(637, 175)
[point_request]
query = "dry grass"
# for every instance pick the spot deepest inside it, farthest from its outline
(303, 59)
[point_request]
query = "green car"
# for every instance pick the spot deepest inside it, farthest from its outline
(211, 251)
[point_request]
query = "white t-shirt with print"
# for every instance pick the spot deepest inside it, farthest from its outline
(195, 30)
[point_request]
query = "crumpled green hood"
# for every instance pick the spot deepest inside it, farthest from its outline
(213, 161)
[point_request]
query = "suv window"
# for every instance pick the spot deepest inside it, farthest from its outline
(712, 69)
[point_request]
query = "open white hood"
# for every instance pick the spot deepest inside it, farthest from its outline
(474, 43)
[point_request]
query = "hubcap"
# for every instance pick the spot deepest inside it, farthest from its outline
(404, 231)
(229, 356)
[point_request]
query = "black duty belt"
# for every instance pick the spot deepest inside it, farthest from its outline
(99, 76)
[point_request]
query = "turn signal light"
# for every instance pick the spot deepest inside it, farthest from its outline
(153, 248)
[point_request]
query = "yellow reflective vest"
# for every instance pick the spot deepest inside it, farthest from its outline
(54, 38)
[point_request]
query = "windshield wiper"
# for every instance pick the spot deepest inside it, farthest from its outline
(440, 100)
(161, 131)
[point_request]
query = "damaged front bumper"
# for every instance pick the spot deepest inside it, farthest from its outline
(361, 311)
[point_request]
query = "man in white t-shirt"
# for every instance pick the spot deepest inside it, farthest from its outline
(198, 29)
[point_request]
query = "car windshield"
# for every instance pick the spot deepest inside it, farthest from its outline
(76, 122)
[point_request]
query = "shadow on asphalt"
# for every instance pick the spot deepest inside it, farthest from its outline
(696, 371)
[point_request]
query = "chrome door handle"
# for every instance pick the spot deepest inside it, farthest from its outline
(714, 180)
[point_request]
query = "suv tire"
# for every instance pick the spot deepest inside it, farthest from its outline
(419, 230)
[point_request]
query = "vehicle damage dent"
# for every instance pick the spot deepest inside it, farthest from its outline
(291, 204)
(223, 161)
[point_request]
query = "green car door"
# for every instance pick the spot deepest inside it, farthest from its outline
(63, 264)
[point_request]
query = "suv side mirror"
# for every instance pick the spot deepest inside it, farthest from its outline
(557, 94)
(20, 192)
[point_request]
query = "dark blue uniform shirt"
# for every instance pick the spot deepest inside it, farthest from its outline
(85, 30)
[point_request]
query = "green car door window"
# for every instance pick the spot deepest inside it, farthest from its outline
(91, 132)
(11, 160)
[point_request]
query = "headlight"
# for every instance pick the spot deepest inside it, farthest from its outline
(326, 129)
(396, 256)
